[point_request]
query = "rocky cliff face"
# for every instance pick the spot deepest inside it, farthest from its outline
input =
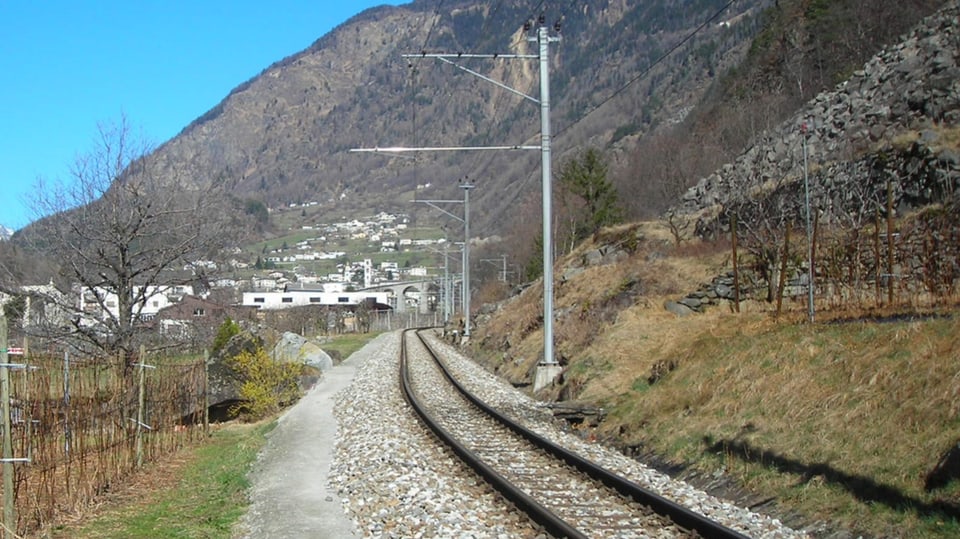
(285, 135)
(895, 119)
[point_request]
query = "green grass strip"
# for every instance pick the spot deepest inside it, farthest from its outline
(208, 500)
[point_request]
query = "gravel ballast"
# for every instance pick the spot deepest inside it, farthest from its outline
(395, 481)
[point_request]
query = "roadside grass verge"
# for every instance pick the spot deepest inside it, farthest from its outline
(841, 423)
(348, 343)
(199, 492)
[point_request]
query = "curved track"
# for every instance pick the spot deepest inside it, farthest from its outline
(563, 492)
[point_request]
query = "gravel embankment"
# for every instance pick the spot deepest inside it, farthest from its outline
(394, 481)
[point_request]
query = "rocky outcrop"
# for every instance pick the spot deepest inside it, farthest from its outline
(717, 291)
(601, 256)
(293, 348)
(887, 137)
(889, 116)
(223, 384)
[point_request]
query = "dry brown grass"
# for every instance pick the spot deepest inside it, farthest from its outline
(948, 137)
(840, 420)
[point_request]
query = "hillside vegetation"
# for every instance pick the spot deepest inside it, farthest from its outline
(840, 423)
(847, 422)
(850, 422)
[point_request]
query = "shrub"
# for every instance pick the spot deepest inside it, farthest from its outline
(266, 385)
(227, 329)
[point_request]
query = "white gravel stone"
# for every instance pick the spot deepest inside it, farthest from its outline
(396, 481)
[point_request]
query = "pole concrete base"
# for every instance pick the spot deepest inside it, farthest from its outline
(546, 374)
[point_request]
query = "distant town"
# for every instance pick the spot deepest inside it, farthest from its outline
(280, 277)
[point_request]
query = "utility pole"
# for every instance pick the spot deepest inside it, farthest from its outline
(446, 288)
(810, 254)
(447, 295)
(8, 526)
(503, 265)
(466, 186)
(548, 368)
(9, 507)
(141, 407)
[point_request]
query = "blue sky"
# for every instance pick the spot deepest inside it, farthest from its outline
(67, 66)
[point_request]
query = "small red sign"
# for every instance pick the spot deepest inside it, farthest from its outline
(15, 351)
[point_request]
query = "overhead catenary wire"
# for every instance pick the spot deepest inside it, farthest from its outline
(536, 14)
(521, 185)
(415, 80)
(537, 11)
(647, 70)
(490, 16)
(433, 25)
(414, 84)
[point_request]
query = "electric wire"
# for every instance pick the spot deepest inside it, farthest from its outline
(563, 12)
(433, 25)
(536, 15)
(521, 185)
(491, 16)
(647, 70)
(413, 82)
(496, 105)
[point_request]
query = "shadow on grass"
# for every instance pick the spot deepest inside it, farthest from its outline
(892, 317)
(863, 488)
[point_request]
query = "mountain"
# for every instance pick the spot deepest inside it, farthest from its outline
(285, 136)
(5, 233)
(894, 121)
(669, 91)
(714, 388)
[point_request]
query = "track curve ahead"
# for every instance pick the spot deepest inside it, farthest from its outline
(566, 494)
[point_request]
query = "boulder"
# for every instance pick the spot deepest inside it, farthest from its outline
(293, 348)
(592, 257)
(677, 309)
(223, 385)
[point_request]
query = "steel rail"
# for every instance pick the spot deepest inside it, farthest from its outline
(551, 523)
(682, 516)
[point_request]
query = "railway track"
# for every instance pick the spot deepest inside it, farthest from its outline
(566, 494)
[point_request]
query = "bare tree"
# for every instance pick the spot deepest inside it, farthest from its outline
(763, 213)
(123, 233)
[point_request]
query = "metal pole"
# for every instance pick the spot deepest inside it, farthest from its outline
(140, 403)
(66, 402)
(206, 392)
(463, 297)
(9, 507)
(446, 285)
(466, 186)
(544, 40)
(806, 188)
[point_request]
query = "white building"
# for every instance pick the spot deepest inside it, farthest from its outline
(302, 298)
(264, 283)
(418, 271)
(98, 304)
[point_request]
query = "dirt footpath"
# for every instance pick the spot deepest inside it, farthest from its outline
(289, 495)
